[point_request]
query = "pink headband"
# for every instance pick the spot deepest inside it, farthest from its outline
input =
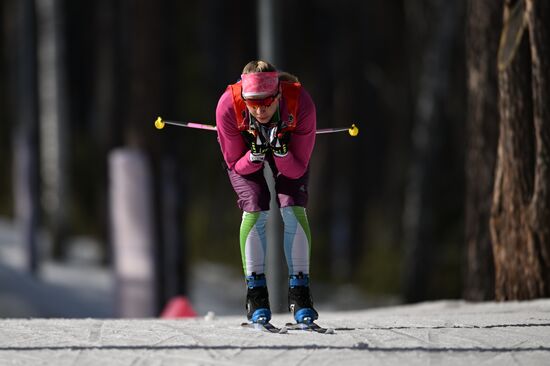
(260, 84)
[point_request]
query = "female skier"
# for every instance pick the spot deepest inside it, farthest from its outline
(268, 117)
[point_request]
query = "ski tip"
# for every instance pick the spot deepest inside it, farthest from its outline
(283, 330)
(329, 331)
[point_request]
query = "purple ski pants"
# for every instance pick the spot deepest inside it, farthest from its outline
(253, 193)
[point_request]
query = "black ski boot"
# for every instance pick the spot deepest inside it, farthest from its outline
(300, 303)
(257, 299)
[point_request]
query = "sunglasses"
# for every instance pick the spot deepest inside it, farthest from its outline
(264, 102)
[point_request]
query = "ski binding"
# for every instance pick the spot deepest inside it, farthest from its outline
(265, 326)
(309, 325)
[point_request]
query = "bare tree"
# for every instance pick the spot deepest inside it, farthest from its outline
(521, 202)
(151, 160)
(53, 108)
(26, 164)
(428, 131)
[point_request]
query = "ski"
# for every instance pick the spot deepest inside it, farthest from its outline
(310, 327)
(265, 327)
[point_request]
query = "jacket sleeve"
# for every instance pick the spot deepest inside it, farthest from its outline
(302, 140)
(235, 152)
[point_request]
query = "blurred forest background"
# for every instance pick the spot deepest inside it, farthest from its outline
(401, 210)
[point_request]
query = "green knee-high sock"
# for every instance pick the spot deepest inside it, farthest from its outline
(253, 242)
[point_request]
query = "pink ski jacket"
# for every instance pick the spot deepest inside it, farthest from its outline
(302, 139)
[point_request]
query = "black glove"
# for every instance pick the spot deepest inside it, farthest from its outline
(257, 145)
(278, 141)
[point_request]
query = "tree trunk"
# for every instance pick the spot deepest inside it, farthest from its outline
(521, 207)
(148, 88)
(344, 98)
(104, 109)
(482, 31)
(26, 175)
(53, 120)
(427, 134)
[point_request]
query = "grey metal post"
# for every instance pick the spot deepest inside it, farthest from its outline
(269, 50)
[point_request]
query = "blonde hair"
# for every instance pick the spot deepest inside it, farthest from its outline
(258, 66)
(286, 76)
(264, 66)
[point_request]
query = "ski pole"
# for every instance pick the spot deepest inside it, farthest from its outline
(352, 130)
(160, 123)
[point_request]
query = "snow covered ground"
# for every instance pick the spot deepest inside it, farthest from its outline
(446, 332)
(35, 328)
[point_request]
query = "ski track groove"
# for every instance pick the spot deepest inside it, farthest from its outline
(518, 344)
(279, 355)
(214, 354)
(430, 337)
(363, 338)
(246, 343)
(135, 360)
(33, 359)
(164, 340)
(525, 333)
(477, 342)
(417, 338)
(488, 326)
(305, 357)
(95, 332)
(501, 359)
(377, 337)
(75, 361)
(515, 359)
(253, 337)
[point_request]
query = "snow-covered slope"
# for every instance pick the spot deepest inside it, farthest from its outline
(445, 332)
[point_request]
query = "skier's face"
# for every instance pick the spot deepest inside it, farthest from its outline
(262, 110)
